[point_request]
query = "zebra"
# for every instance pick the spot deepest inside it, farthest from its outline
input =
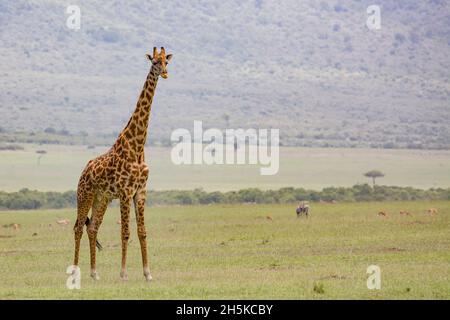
(302, 207)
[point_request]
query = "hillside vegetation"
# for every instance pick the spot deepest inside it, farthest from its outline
(310, 68)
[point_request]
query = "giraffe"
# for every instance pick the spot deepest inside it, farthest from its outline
(120, 173)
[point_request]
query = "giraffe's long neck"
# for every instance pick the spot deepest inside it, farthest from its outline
(134, 135)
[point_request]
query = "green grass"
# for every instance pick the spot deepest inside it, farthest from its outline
(311, 168)
(218, 252)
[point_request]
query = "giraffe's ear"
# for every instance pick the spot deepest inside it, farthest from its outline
(168, 57)
(149, 57)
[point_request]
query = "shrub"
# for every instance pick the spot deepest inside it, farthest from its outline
(26, 199)
(11, 147)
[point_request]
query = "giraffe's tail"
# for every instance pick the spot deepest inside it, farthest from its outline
(97, 243)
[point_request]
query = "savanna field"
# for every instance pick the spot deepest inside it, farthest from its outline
(238, 252)
(354, 98)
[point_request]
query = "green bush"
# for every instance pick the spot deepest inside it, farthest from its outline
(26, 199)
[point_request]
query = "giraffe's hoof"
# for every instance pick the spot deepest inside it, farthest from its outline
(94, 275)
(148, 277)
(147, 274)
(124, 275)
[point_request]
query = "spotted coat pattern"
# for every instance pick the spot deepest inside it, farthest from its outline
(121, 173)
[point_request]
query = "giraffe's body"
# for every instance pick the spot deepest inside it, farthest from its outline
(121, 173)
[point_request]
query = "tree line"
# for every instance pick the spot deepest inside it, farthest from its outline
(26, 199)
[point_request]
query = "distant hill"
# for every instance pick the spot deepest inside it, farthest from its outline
(310, 68)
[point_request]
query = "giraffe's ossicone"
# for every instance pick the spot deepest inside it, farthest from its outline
(121, 173)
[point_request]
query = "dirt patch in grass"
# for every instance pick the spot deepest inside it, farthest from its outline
(333, 276)
(393, 249)
(417, 222)
(8, 253)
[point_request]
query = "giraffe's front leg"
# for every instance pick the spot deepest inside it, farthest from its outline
(139, 206)
(125, 222)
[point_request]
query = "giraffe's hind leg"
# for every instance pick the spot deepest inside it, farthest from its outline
(85, 199)
(98, 211)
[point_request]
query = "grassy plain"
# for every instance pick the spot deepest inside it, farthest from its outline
(235, 251)
(312, 168)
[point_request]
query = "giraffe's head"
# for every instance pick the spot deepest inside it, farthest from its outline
(160, 61)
